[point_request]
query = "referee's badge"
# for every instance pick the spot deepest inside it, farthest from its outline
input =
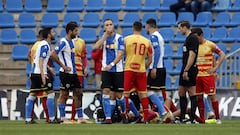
(184, 49)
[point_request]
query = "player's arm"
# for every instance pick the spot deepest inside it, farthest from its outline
(191, 57)
(219, 62)
(100, 42)
(29, 57)
(149, 56)
(84, 60)
(54, 56)
(42, 56)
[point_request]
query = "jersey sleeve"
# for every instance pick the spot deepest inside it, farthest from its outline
(156, 46)
(121, 43)
(43, 51)
(194, 43)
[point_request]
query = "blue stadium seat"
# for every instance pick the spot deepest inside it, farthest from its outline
(49, 20)
(219, 34)
(33, 5)
(9, 36)
(235, 6)
(71, 17)
(168, 64)
(1, 7)
(89, 51)
(167, 19)
(145, 34)
(55, 5)
(222, 5)
(186, 16)
(129, 18)
(235, 67)
(235, 20)
(126, 32)
(94, 5)
(207, 32)
(147, 16)
(222, 19)
(168, 51)
(91, 20)
(132, 5)
(177, 70)
(6, 20)
(63, 33)
(167, 34)
(233, 35)
(75, 6)
(14, 6)
(223, 47)
(113, 16)
(20, 52)
(113, 5)
(179, 38)
(166, 4)
(168, 82)
(234, 47)
(203, 19)
(179, 53)
(88, 34)
(27, 36)
(26, 20)
(151, 5)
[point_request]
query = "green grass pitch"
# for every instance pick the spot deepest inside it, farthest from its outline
(228, 127)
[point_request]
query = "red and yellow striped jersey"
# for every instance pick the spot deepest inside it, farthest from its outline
(80, 55)
(205, 59)
(137, 47)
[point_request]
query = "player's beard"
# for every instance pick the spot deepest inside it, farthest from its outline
(52, 38)
(73, 36)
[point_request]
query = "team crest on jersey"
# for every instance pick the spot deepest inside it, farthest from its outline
(56, 48)
(44, 54)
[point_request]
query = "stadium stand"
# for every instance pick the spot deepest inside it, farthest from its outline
(132, 5)
(207, 32)
(233, 35)
(222, 19)
(166, 4)
(55, 5)
(27, 36)
(14, 6)
(71, 17)
(33, 5)
(26, 20)
(75, 6)
(88, 34)
(113, 5)
(20, 52)
(9, 36)
(6, 20)
(235, 7)
(94, 5)
(169, 64)
(186, 16)
(203, 19)
(1, 7)
(91, 20)
(235, 20)
(167, 19)
(168, 51)
(49, 20)
(219, 34)
(129, 18)
(151, 6)
(167, 34)
(147, 16)
(113, 16)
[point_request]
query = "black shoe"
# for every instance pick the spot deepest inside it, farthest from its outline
(55, 121)
(31, 122)
(124, 118)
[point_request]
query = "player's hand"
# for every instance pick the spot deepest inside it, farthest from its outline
(51, 70)
(185, 76)
(67, 69)
(107, 68)
(211, 70)
(85, 72)
(44, 77)
(153, 73)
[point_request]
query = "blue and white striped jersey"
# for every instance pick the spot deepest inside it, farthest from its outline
(42, 51)
(66, 54)
(158, 47)
(110, 48)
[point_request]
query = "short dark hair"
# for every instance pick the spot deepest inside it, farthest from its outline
(152, 22)
(107, 19)
(45, 32)
(137, 25)
(71, 26)
(198, 31)
(40, 33)
(184, 23)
